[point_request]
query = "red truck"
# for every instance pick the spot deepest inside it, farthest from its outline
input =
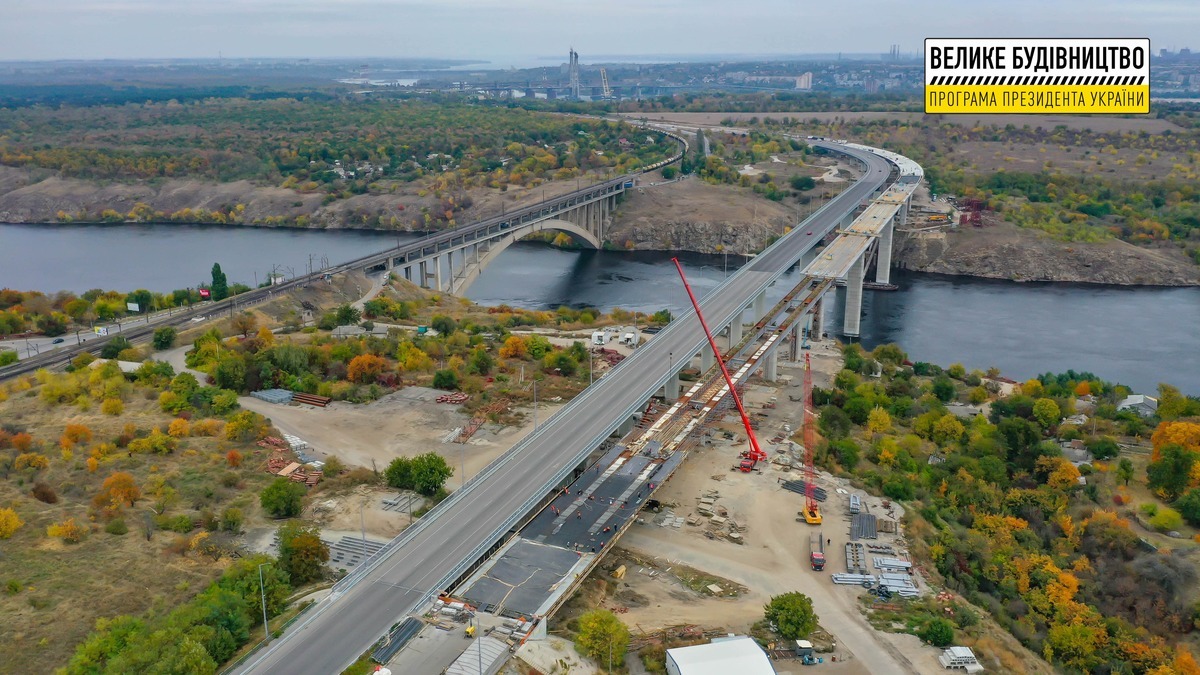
(816, 551)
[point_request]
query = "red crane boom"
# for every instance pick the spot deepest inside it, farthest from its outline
(755, 454)
(812, 512)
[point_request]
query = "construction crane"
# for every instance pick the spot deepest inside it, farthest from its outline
(754, 455)
(812, 512)
(606, 92)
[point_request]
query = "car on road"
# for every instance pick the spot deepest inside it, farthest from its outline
(57, 341)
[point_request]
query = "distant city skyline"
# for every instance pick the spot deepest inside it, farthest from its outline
(505, 30)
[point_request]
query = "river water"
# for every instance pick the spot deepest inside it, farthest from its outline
(1137, 336)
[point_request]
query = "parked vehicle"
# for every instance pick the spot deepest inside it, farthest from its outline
(816, 550)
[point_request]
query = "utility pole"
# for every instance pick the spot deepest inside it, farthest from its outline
(535, 404)
(362, 523)
(263, 589)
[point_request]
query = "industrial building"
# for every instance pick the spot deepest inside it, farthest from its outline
(740, 655)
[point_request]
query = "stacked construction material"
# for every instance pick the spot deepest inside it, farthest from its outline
(856, 558)
(798, 486)
(276, 396)
(865, 580)
(862, 526)
(311, 399)
(899, 584)
(457, 398)
(892, 564)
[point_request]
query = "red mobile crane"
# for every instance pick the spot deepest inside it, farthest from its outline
(755, 454)
(812, 512)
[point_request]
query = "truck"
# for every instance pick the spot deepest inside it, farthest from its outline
(816, 551)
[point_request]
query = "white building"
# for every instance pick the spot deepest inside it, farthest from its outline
(740, 655)
(1140, 404)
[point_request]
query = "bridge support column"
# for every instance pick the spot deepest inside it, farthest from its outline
(770, 370)
(760, 306)
(671, 388)
(735, 331)
(854, 290)
(437, 273)
(423, 271)
(883, 260)
(707, 360)
(798, 329)
(817, 321)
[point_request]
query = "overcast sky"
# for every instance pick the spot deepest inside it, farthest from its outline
(502, 30)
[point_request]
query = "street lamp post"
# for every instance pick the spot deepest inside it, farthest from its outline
(362, 523)
(263, 589)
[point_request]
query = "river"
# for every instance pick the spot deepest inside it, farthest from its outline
(1137, 336)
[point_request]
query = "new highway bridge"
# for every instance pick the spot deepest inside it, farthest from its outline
(441, 547)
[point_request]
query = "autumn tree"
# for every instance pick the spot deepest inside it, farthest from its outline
(68, 530)
(1186, 434)
(879, 421)
(233, 458)
(514, 348)
(244, 323)
(302, 554)
(601, 635)
(1046, 412)
(10, 522)
(365, 368)
(793, 615)
(118, 490)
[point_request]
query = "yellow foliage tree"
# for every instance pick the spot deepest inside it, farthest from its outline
(92, 464)
(30, 460)
(514, 348)
(74, 434)
(179, 428)
(10, 522)
(68, 530)
(265, 336)
(879, 421)
(1032, 388)
(112, 406)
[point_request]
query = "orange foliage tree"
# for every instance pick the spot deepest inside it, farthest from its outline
(365, 368)
(233, 458)
(1186, 434)
(118, 490)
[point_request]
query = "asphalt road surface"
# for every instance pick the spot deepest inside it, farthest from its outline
(338, 630)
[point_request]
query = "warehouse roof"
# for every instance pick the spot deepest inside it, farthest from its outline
(742, 656)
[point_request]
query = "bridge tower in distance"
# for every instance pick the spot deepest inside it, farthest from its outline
(573, 73)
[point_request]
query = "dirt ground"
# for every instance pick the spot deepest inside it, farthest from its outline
(405, 423)
(1095, 123)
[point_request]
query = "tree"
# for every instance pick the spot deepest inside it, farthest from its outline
(1166, 519)
(563, 362)
(348, 315)
(1046, 412)
(481, 361)
(601, 635)
(879, 421)
(244, 323)
(1189, 507)
(282, 498)
(230, 372)
(834, 422)
(220, 285)
(943, 388)
(302, 554)
(118, 490)
(244, 426)
(937, 632)
(443, 324)
(947, 429)
(514, 348)
(114, 347)
(365, 368)
(793, 615)
(661, 317)
(1186, 434)
(398, 473)
(164, 338)
(803, 183)
(429, 473)
(1125, 470)
(1104, 448)
(445, 379)
(1170, 474)
(10, 522)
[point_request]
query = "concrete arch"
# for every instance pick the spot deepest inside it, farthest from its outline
(495, 247)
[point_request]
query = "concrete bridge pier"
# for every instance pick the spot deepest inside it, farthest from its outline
(707, 360)
(770, 370)
(883, 257)
(423, 268)
(437, 274)
(854, 290)
(816, 324)
(760, 306)
(735, 331)
(670, 390)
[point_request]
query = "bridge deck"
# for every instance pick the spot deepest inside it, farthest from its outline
(439, 548)
(837, 258)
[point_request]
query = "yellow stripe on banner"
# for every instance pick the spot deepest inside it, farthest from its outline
(1000, 98)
